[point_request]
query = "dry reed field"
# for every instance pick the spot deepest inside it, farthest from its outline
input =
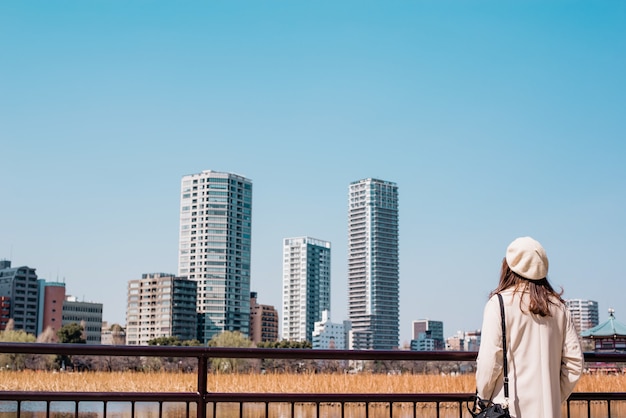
(266, 383)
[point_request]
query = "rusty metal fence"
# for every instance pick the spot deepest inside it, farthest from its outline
(202, 403)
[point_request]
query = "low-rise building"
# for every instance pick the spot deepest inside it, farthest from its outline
(330, 335)
(87, 314)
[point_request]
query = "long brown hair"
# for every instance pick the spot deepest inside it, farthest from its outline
(541, 293)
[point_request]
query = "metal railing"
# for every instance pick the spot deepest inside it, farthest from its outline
(202, 403)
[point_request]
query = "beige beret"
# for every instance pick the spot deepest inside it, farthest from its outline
(527, 257)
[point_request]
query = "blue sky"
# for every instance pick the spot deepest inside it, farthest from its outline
(496, 120)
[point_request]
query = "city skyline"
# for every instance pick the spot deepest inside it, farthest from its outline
(495, 120)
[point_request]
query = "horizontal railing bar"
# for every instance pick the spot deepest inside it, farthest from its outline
(270, 397)
(230, 352)
(101, 396)
(233, 397)
(262, 353)
(608, 357)
(598, 396)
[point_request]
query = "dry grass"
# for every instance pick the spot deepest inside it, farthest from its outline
(274, 383)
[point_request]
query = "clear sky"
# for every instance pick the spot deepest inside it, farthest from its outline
(495, 118)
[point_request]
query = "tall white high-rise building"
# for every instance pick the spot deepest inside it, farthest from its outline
(214, 249)
(373, 265)
(584, 313)
(306, 286)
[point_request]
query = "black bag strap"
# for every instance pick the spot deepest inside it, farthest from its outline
(505, 364)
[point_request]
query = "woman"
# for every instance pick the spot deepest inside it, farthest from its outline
(543, 351)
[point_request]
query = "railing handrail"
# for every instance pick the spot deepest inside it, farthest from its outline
(264, 353)
(233, 352)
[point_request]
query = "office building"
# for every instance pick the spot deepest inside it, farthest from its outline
(306, 286)
(328, 335)
(50, 310)
(584, 313)
(464, 341)
(427, 335)
(373, 264)
(214, 249)
(87, 314)
(19, 287)
(160, 305)
(263, 321)
(472, 340)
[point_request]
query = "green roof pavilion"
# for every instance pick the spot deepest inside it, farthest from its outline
(607, 336)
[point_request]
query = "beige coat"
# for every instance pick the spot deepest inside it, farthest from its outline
(544, 357)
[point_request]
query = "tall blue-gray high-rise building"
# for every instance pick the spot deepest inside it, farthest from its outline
(373, 265)
(214, 249)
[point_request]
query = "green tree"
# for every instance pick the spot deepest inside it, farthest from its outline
(285, 344)
(71, 333)
(175, 341)
(9, 335)
(231, 339)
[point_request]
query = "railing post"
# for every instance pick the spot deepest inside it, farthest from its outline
(202, 385)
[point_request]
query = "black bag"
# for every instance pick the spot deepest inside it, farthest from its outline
(488, 409)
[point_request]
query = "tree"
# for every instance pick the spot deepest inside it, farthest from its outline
(69, 334)
(284, 365)
(285, 344)
(231, 339)
(43, 361)
(9, 335)
(117, 334)
(175, 341)
(172, 363)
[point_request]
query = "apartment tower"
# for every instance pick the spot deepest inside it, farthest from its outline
(18, 286)
(263, 321)
(584, 313)
(306, 286)
(214, 249)
(373, 265)
(160, 305)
